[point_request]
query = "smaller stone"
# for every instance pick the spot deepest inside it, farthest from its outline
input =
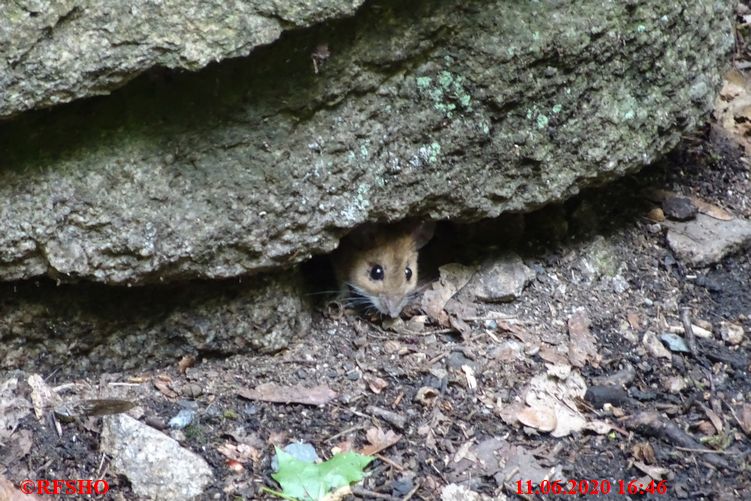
(620, 284)
(502, 280)
(654, 346)
(674, 342)
(154, 464)
(731, 333)
(192, 390)
(675, 384)
(401, 487)
(706, 240)
(679, 208)
(182, 419)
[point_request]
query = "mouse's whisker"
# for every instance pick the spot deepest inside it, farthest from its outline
(321, 293)
(357, 299)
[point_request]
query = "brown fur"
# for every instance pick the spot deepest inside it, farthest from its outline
(394, 248)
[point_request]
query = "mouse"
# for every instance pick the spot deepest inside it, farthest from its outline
(376, 266)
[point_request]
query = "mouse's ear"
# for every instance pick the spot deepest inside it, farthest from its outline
(422, 233)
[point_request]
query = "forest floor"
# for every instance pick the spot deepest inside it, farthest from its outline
(587, 375)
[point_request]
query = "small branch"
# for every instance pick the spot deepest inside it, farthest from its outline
(689, 331)
(368, 494)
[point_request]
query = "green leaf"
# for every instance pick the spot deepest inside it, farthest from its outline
(311, 481)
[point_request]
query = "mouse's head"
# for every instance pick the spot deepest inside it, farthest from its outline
(383, 266)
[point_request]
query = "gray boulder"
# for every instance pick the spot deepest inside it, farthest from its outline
(433, 109)
(55, 52)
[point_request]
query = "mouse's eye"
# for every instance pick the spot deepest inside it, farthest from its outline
(376, 272)
(407, 273)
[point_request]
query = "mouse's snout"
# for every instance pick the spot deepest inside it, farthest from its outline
(392, 305)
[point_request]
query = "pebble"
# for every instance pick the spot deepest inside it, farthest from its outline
(502, 280)
(731, 333)
(183, 419)
(679, 208)
(620, 284)
(401, 487)
(674, 342)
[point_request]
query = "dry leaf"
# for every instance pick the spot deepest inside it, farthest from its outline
(538, 418)
(469, 374)
(379, 440)
(643, 451)
(463, 451)
(453, 277)
(163, 383)
(298, 394)
(12, 408)
(582, 346)
(376, 384)
(242, 453)
(42, 395)
(714, 418)
(654, 346)
(711, 210)
(552, 355)
(17, 446)
(655, 472)
(599, 427)
(186, 362)
(548, 394)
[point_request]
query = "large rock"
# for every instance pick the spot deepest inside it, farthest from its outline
(80, 329)
(439, 109)
(156, 466)
(54, 52)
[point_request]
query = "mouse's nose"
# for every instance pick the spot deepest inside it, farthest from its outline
(393, 306)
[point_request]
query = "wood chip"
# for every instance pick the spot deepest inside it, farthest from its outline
(297, 394)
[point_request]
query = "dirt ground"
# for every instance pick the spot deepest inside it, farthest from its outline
(458, 393)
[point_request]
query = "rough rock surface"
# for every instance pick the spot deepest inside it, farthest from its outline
(83, 328)
(54, 52)
(706, 240)
(435, 109)
(501, 280)
(155, 464)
